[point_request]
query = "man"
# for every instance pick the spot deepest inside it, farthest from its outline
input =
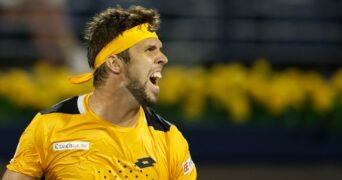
(110, 133)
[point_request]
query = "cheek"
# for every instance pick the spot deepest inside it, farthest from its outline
(141, 69)
(139, 74)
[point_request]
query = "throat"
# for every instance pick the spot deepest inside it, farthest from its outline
(115, 113)
(127, 119)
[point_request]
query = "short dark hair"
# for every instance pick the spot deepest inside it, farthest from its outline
(110, 23)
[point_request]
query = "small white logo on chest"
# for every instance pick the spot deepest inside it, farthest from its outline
(73, 145)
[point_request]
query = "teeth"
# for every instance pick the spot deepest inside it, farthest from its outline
(156, 75)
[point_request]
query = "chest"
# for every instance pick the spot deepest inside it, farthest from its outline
(102, 153)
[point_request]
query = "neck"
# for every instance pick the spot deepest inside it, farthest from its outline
(117, 107)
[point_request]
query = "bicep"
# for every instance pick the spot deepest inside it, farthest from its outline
(11, 175)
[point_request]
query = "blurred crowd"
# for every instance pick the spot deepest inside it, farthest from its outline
(47, 24)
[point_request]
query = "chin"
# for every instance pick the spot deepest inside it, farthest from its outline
(150, 101)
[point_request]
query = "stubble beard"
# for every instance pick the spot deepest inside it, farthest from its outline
(138, 90)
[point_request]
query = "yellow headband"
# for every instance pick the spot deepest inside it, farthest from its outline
(124, 41)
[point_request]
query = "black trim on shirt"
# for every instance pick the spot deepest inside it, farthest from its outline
(156, 121)
(68, 106)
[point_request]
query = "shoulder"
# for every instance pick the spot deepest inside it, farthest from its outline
(67, 106)
(156, 121)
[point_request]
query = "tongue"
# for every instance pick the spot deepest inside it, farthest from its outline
(153, 80)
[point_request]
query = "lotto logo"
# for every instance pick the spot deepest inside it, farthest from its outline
(145, 162)
(188, 165)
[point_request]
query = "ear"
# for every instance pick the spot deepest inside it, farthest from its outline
(114, 64)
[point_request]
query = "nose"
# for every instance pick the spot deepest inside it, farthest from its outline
(162, 59)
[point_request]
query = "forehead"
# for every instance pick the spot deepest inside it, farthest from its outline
(147, 42)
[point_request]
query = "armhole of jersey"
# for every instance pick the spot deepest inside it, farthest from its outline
(80, 104)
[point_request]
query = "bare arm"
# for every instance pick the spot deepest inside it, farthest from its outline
(11, 175)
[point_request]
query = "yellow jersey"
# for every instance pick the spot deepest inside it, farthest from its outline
(69, 141)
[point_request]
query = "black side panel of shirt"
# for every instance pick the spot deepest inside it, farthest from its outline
(156, 121)
(68, 106)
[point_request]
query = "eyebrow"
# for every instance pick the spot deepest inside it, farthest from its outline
(157, 45)
(153, 46)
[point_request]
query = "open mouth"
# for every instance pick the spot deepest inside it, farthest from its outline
(155, 77)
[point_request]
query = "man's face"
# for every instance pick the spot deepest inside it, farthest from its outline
(144, 70)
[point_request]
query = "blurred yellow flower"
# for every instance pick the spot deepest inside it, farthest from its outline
(238, 105)
(227, 87)
(285, 90)
(41, 88)
(173, 85)
(232, 87)
(320, 92)
(336, 82)
(323, 97)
